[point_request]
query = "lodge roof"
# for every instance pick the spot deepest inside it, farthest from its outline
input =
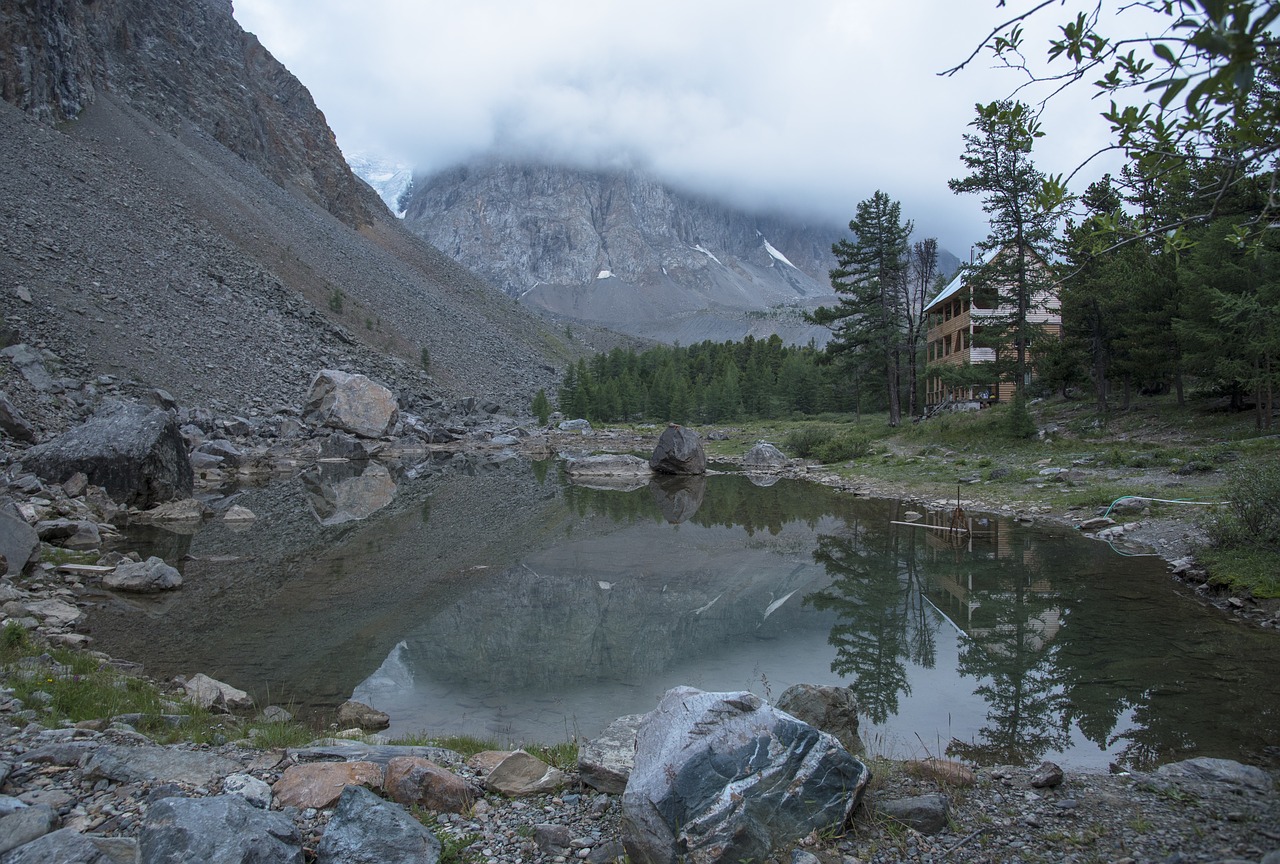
(953, 288)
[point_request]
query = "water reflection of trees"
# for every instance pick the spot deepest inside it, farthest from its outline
(1060, 634)
(1000, 594)
(1013, 614)
(875, 591)
(732, 501)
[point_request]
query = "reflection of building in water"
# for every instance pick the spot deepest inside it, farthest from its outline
(988, 585)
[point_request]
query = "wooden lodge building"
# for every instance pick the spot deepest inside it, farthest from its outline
(956, 316)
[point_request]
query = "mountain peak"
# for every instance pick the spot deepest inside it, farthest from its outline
(621, 249)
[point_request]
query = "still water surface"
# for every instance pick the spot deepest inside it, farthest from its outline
(501, 601)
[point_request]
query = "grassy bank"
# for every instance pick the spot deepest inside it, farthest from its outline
(67, 687)
(1155, 449)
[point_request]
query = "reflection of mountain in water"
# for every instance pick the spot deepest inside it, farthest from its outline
(494, 598)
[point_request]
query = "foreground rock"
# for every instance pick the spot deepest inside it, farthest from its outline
(224, 829)
(679, 451)
(725, 777)
(133, 452)
(365, 829)
(351, 403)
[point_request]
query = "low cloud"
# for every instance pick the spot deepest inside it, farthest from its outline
(807, 108)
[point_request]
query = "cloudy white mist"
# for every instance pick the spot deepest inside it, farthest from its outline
(808, 107)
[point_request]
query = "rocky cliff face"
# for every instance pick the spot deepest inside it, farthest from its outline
(190, 224)
(623, 250)
(185, 63)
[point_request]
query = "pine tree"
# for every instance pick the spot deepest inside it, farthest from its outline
(1024, 207)
(870, 277)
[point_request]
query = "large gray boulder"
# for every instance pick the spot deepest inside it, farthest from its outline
(223, 829)
(679, 451)
(365, 829)
(65, 844)
(724, 777)
(351, 403)
(19, 542)
(831, 709)
(607, 465)
(132, 451)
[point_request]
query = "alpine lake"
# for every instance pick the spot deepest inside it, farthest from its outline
(492, 597)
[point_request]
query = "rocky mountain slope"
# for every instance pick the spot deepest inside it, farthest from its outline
(620, 249)
(175, 213)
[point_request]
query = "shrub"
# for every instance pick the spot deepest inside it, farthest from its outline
(541, 407)
(1253, 516)
(826, 443)
(804, 441)
(335, 300)
(842, 448)
(425, 359)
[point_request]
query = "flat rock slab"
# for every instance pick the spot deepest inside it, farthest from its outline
(157, 765)
(365, 829)
(608, 465)
(379, 754)
(1204, 769)
(23, 826)
(524, 774)
(319, 784)
(224, 829)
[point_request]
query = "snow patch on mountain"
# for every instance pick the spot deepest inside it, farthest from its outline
(768, 247)
(707, 252)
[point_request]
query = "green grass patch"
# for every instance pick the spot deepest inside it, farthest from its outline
(58, 556)
(1254, 571)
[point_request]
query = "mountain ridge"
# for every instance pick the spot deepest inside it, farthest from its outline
(175, 213)
(623, 250)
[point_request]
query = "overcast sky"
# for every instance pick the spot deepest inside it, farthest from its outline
(807, 107)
